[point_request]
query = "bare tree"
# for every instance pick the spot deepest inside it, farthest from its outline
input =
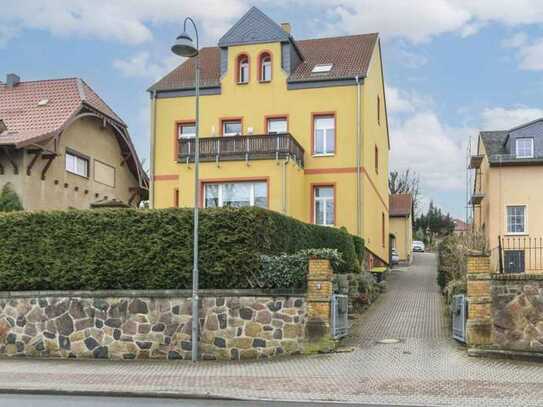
(405, 182)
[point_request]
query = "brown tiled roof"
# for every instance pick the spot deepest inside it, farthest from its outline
(27, 121)
(400, 205)
(350, 56)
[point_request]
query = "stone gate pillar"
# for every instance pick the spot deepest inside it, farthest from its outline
(319, 298)
(479, 322)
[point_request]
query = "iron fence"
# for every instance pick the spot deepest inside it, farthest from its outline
(520, 254)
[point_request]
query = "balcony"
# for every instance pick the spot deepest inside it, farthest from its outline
(475, 162)
(243, 148)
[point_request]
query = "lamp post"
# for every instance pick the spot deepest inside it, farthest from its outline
(184, 47)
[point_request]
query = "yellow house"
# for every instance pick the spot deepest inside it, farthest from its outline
(299, 127)
(401, 225)
(506, 197)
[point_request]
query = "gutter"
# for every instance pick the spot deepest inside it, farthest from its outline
(152, 152)
(358, 159)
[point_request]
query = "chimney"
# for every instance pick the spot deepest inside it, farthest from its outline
(286, 27)
(12, 80)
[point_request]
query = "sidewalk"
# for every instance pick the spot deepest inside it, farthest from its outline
(425, 368)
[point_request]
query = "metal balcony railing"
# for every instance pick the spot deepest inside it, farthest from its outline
(243, 148)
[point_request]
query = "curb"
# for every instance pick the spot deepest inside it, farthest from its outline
(117, 394)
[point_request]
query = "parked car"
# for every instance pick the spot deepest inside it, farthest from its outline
(395, 256)
(418, 246)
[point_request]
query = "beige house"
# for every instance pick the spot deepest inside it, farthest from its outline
(460, 227)
(401, 225)
(62, 147)
(507, 198)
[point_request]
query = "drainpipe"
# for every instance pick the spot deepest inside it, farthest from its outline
(152, 157)
(358, 159)
(284, 192)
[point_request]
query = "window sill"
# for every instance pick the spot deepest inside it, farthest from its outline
(265, 81)
(242, 83)
(77, 175)
(517, 234)
(324, 155)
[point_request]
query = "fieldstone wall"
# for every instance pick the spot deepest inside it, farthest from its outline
(517, 312)
(246, 324)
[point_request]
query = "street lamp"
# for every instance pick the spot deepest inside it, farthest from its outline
(184, 47)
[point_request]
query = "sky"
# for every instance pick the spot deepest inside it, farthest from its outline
(452, 67)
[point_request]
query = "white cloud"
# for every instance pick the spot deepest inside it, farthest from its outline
(143, 65)
(403, 101)
(499, 118)
(127, 21)
(436, 152)
(515, 41)
(421, 20)
(531, 56)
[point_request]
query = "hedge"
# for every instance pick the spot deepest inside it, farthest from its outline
(151, 249)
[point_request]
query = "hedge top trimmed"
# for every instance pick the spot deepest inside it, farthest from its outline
(151, 249)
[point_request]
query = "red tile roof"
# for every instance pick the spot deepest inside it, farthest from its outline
(350, 56)
(400, 205)
(27, 121)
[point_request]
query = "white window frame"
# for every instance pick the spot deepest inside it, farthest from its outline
(522, 139)
(525, 216)
(225, 122)
(276, 119)
(251, 193)
(326, 135)
(181, 135)
(324, 200)
(243, 70)
(263, 65)
(72, 157)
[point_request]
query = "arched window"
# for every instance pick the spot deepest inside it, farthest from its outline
(265, 67)
(243, 69)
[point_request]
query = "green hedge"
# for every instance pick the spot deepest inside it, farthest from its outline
(150, 249)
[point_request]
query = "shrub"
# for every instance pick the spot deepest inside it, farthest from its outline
(452, 252)
(290, 270)
(9, 200)
(151, 249)
(359, 248)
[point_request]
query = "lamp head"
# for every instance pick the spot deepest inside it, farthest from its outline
(184, 46)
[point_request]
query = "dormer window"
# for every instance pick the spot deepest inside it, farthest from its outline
(243, 69)
(265, 67)
(524, 147)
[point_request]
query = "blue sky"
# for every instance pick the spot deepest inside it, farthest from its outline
(452, 67)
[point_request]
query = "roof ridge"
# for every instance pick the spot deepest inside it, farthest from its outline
(46, 80)
(339, 37)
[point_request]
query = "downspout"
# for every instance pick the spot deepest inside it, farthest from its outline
(358, 159)
(284, 186)
(152, 157)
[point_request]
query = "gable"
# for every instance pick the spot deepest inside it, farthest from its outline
(253, 28)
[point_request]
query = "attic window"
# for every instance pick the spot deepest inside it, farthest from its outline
(43, 102)
(322, 68)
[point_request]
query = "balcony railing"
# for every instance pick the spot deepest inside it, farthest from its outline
(243, 148)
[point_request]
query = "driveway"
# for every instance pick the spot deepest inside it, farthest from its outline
(425, 368)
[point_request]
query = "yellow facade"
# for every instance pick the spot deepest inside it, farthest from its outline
(289, 184)
(402, 230)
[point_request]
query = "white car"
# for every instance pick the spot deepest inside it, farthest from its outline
(395, 257)
(418, 246)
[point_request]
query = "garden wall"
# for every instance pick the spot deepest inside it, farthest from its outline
(244, 324)
(505, 313)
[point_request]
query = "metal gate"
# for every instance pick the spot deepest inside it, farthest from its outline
(459, 317)
(340, 314)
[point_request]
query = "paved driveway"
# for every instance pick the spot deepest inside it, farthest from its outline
(425, 368)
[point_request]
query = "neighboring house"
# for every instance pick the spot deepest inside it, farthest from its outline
(62, 147)
(507, 199)
(401, 225)
(299, 127)
(460, 227)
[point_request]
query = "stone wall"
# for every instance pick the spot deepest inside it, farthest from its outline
(244, 324)
(505, 311)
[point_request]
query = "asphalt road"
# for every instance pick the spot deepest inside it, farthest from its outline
(25, 400)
